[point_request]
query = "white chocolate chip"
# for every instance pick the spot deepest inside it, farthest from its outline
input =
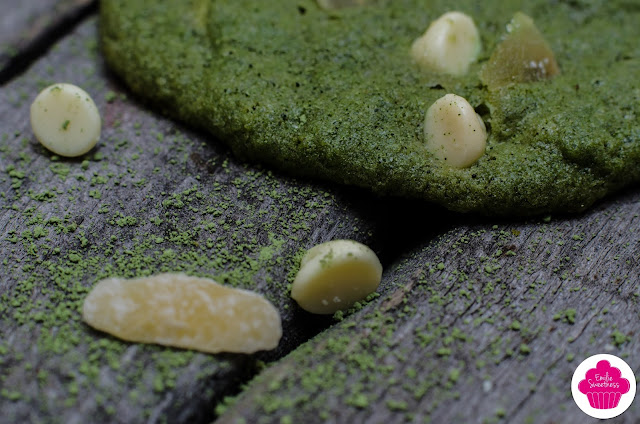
(189, 312)
(65, 120)
(449, 46)
(334, 275)
(454, 132)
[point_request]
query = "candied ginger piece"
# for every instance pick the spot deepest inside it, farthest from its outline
(182, 311)
(523, 55)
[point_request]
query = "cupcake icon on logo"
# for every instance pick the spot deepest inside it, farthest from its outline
(604, 386)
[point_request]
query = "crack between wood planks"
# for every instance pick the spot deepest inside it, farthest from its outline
(45, 33)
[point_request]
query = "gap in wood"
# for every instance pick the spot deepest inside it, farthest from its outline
(44, 40)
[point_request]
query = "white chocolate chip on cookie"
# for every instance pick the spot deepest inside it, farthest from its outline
(450, 45)
(454, 132)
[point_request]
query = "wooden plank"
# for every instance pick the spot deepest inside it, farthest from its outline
(153, 196)
(485, 324)
(28, 28)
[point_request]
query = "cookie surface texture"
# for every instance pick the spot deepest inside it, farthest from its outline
(335, 94)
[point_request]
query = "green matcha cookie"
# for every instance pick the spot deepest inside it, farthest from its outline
(337, 95)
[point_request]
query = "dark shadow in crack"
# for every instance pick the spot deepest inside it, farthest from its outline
(45, 32)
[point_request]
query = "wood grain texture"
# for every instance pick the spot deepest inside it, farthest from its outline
(28, 28)
(479, 320)
(484, 324)
(152, 197)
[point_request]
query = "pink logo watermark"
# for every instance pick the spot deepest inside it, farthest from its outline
(603, 386)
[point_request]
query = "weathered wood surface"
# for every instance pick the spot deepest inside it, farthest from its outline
(27, 29)
(152, 197)
(484, 324)
(478, 321)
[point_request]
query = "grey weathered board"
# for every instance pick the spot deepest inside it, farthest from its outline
(153, 196)
(485, 323)
(479, 320)
(28, 27)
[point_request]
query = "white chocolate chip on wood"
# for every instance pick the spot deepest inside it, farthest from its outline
(189, 312)
(450, 45)
(334, 275)
(454, 132)
(65, 120)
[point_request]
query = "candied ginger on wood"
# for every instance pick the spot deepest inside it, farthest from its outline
(182, 311)
(523, 55)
